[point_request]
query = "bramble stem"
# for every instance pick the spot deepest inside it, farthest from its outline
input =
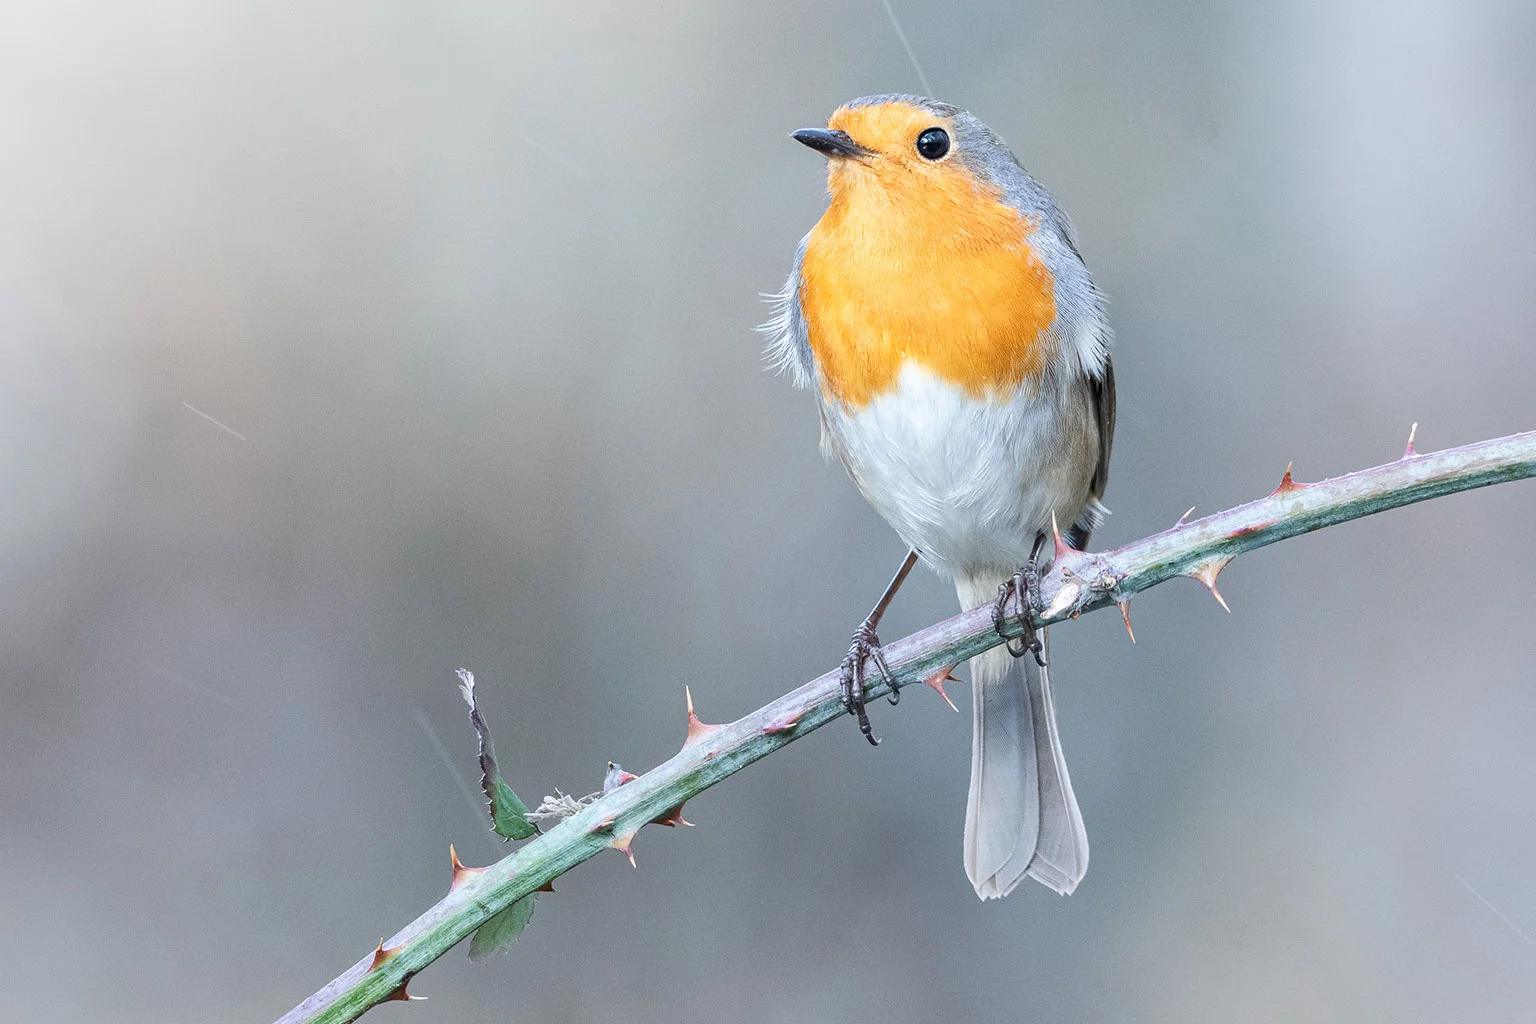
(1079, 582)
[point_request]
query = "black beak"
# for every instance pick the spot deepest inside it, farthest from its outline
(838, 145)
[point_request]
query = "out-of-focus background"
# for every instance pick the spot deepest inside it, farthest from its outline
(344, 345)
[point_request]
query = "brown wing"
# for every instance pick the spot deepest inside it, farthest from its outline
(1102, 391)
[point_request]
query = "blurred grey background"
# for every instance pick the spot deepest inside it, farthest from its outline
(347, 344)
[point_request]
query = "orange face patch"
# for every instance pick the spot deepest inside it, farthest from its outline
(919, 260)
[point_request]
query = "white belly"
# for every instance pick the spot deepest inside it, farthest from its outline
(967, 482)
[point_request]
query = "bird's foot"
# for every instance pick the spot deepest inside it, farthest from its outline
(862, 652)
(1023, 593)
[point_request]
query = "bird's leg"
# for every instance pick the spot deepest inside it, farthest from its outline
(866, 648)
(1024, 590)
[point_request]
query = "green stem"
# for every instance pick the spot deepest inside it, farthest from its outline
(1077, 583)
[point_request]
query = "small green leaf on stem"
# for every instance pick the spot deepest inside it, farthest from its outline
(509, 815)
(497, 934)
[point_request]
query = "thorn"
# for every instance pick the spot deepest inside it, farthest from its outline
(1207, 574)
(382, 956)
(1408, 452)
(548, 886)
(1287, 485)
(1184, 516)
(1219, 599)
(672, 818)
(937, 681)
(401, 995)
(1125, 613)
(622, 844)
(784, 724)
(461, 874)
(1062, 547)
(697, 730)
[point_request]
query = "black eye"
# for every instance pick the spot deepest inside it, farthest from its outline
(933, 144)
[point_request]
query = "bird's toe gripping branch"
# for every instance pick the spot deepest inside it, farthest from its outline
(1023, 593)
(862, 651)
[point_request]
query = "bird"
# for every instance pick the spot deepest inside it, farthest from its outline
(959, 354)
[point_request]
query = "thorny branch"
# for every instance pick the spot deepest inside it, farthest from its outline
(1078, 582)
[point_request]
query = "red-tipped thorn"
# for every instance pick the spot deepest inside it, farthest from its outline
(1125, 613)
(672, 818)
(461, 874)
(1062, 547)
(697, 730)
(1287, 485)
(937, 681)
(1207, 574)
(784, 724)
(401, 995)
(382, 956)
(1408, 452)
(1219, 599)
(622, 844)
(1184, 516)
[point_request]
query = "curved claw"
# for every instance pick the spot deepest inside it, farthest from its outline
(865, 648)
(1024, 590)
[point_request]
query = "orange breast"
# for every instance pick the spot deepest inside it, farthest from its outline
(941, 273)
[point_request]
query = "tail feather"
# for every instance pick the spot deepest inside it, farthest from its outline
(1022, 817)
(1061, 858)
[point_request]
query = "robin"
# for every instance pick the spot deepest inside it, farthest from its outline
(960, 357)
